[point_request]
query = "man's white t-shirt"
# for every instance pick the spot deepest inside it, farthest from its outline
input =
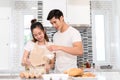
(64, 60)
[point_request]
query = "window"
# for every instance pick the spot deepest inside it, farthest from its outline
(100, 39)
(27, 23)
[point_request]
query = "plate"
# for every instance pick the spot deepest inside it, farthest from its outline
(84, 78)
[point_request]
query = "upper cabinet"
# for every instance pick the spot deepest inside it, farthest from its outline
(75, 11)
(78, 12)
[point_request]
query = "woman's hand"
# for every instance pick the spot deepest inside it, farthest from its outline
(25, 62)
(47, 67)
(25, 59)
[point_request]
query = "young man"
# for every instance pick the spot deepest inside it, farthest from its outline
(67, 40)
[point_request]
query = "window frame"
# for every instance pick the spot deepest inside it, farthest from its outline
(107, 37)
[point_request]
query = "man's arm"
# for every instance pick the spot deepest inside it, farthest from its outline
(77, 48)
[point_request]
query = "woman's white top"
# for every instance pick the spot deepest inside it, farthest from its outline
(30, 45)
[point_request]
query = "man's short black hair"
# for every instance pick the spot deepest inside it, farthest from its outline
(54, 13)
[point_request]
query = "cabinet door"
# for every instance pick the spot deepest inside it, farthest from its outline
(4, 38)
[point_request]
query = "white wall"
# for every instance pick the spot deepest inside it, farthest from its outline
(5, 17)
(117, 7)
(5, 3)
(116, 32)
(6, 33)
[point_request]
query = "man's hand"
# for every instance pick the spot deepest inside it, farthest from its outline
(53, 47)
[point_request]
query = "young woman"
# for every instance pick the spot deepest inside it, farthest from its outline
(35, 52)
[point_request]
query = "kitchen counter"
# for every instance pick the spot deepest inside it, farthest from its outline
(99, 76)
(108, 75)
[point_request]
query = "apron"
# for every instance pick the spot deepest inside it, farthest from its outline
(38, 58)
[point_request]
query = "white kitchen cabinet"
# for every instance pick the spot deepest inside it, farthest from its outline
(78, 11)
(75, 11)
(5, 14)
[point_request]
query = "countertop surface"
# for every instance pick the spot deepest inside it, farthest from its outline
(99, 76)
(108, 75)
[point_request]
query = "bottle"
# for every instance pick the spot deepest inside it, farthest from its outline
(88, 64)
(93, 65)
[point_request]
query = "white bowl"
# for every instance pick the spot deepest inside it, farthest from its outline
(59, 76)
(46, 77)
(55, 76)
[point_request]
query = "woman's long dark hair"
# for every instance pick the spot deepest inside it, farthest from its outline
(39, 25)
